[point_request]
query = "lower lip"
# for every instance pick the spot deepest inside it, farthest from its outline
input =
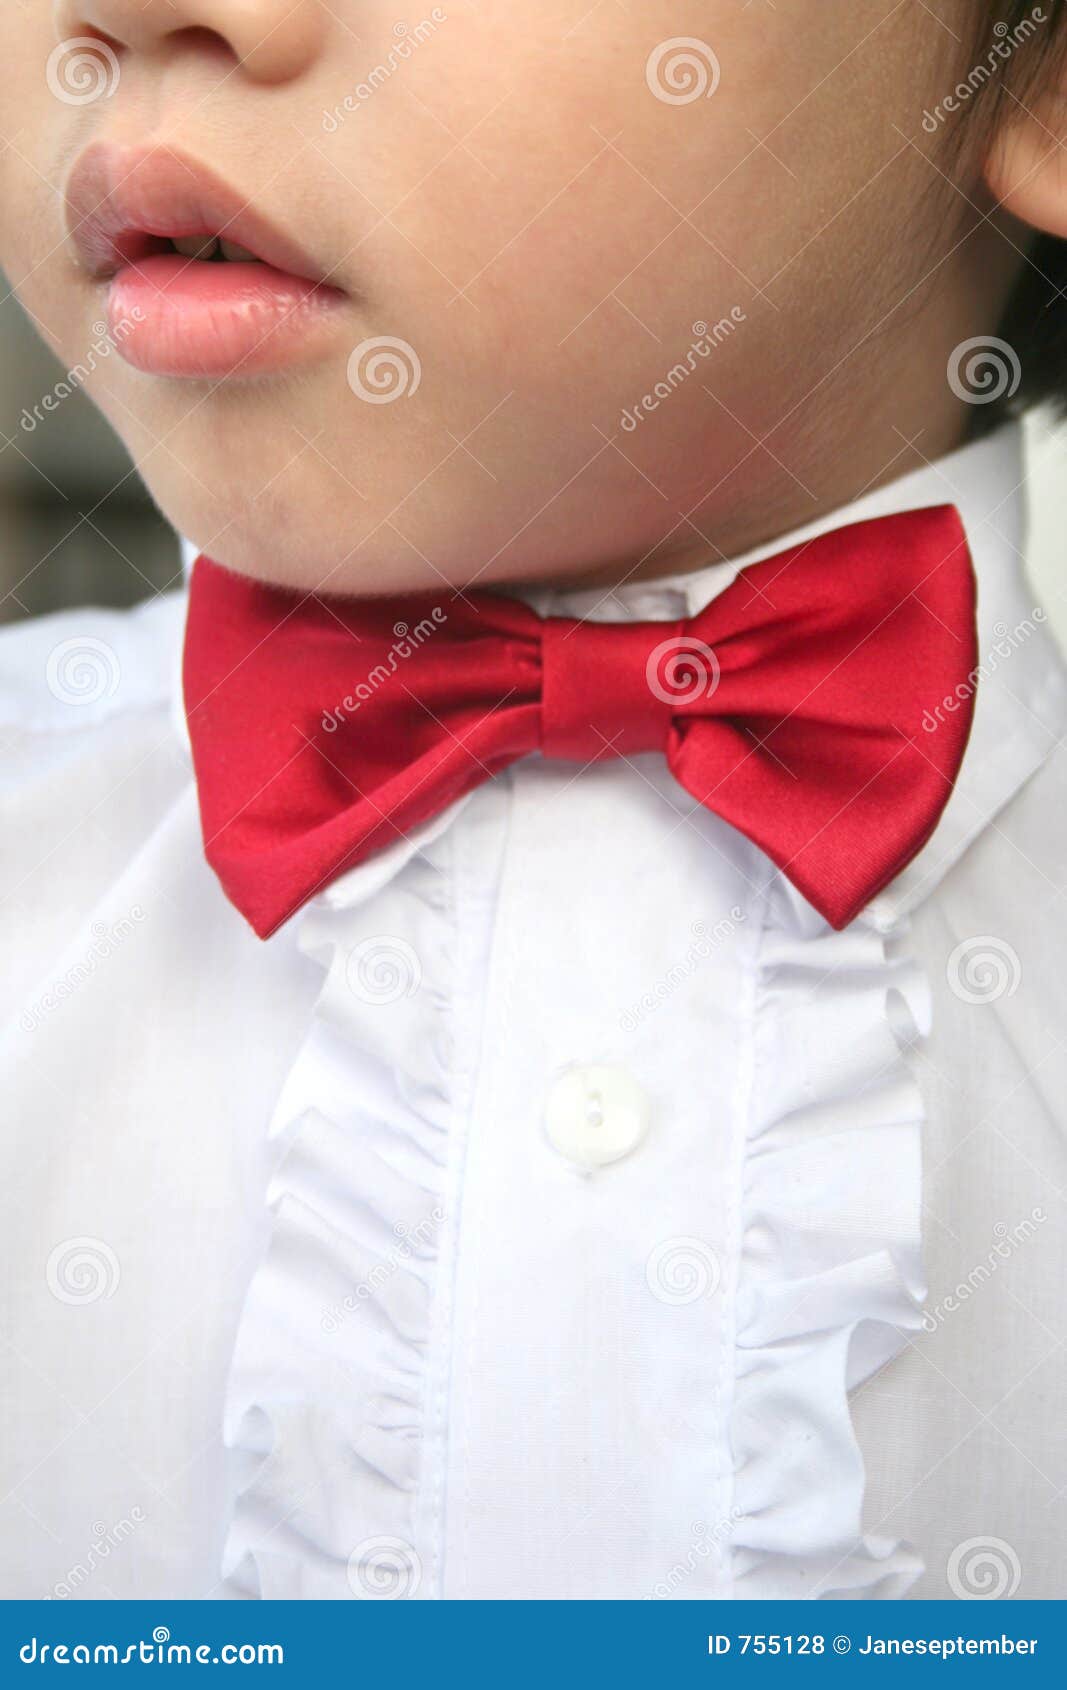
(175, 316)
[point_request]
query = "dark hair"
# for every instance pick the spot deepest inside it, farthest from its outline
(1035, 318)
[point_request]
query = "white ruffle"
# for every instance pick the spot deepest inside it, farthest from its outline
(830, 1274)
(327, 1395)
(327, 1408)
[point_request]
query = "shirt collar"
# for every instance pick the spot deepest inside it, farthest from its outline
(1021, 681)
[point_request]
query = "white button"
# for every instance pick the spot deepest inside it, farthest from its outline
(596, 1114)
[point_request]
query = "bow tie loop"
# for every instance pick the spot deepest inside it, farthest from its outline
(615, 689)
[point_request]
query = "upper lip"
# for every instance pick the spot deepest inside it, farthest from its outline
(121, 201)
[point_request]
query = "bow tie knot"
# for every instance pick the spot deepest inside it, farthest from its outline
(613, 689)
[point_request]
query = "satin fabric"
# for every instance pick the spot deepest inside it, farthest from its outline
(792, 706)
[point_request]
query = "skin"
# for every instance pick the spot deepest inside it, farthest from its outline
(517, 204)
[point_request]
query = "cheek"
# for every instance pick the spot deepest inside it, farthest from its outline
(43, 132)
(24, 93)
(566, 244)
(28, 227)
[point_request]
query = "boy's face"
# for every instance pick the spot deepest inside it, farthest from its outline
(610, 287)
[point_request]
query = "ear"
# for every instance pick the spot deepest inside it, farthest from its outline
(1026, 167)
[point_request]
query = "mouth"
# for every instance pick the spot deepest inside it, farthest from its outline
(199, 283)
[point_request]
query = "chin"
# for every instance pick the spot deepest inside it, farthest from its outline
(312, 558)
(287, 523)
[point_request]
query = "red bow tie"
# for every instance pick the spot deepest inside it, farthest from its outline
(792, 706)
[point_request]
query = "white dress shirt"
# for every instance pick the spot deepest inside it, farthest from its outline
(548, 1209)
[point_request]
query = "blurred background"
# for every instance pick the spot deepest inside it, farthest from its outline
(78, 527)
